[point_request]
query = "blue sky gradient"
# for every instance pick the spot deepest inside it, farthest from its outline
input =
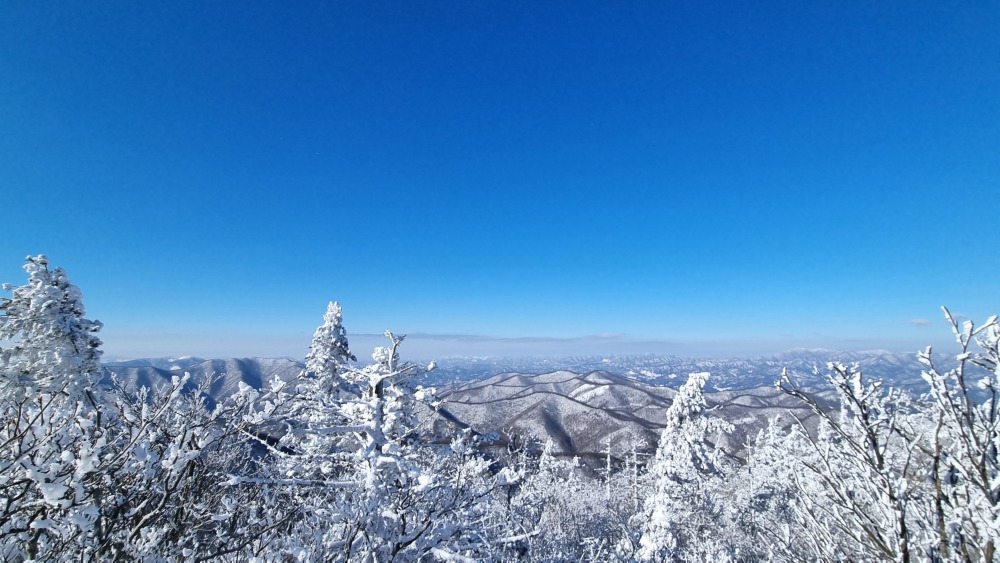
(701, 178)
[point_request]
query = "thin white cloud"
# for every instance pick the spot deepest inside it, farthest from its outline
(919, 322)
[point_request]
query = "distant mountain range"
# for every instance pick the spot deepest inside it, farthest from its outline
(671, 371)
(584, 405)
(224, 375)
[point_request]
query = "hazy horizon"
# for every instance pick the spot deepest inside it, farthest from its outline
(425, 347)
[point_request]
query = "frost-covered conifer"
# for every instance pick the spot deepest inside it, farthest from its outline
(51, 437)
(686, 471)
(114, 473)
(53, 347)
(352, 458)
(329, 351)
(315, 411)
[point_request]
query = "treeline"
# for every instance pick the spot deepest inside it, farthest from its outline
(335, 466)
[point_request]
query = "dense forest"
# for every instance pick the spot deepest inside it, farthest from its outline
(338, 465)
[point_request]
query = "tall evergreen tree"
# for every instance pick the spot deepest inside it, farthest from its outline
(686, 471)
(53, 347)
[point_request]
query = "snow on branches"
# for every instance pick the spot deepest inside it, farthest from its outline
(53, 347)
(352, 458)
(686, 472)
(92, 470)
(336, 464)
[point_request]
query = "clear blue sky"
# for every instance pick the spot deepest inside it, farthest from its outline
(715, 178)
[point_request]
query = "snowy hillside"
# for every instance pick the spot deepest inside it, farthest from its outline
(585, 413)
(581, 410)
(225, 375)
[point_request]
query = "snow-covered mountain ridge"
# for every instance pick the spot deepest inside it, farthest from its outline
(225, 374)
(671, 371)
(585, 406)
(901, 369)
(586, 414)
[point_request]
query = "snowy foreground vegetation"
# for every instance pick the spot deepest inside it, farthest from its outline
(336, 465)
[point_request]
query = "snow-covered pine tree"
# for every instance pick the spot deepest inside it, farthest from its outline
(330, 350)
(686, 473)
(51, 434)
(314, 406)
(52, 346)
(94, 472)
(352, 457)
